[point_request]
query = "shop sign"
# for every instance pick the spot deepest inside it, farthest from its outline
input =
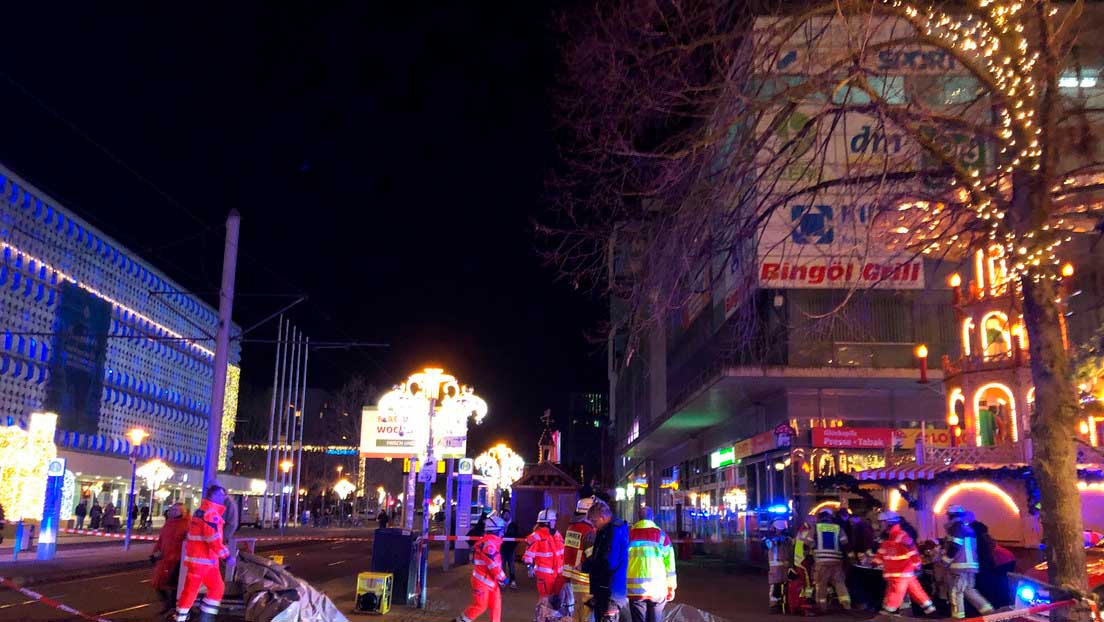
(934, 437)
(755, 445)
(783, 435)
(723, 457)
(854, 438)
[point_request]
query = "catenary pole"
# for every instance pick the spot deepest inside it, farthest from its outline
(289, 405)
(285, 388)
(272, 421)
(302, 418)
(222, 349)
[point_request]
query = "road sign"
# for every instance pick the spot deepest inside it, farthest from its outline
(466, 466)
(428, 472)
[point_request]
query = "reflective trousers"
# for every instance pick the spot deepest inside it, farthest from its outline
(582, 611)
(208, 576)
(485, 599)
(830, 572)
(897, 587)
(962, 590)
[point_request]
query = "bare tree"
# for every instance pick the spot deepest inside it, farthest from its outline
(698, 137)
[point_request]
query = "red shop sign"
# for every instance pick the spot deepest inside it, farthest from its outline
(853, 438)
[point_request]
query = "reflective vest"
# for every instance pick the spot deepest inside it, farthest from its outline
(651, 570)
(203, 545)
(960, 548)
(778, 551)
(487, 568)
(827, 540)
(897, 555)
(579, 538)
(544, 551)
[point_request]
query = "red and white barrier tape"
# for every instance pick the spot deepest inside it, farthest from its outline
(49, 602)
(473, 538)
(107, 534)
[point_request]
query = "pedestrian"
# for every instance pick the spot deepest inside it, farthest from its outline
(829, 545)
(1, 522)
(166, 554)
(203, 549)
(651, 580)
(994, 564)
(81, 512)
(231, 521)
(608, 567)
(780, 555)
(383, 519)
(863, 583)
(144, 517)
(487, 574)
(110, 522)
(543, 560)
(900, 561)
(578, 540)
(509, 547)
(95, 516)
(960, 555)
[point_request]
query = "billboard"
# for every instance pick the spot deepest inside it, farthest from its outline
(392, 433)
(77, 365)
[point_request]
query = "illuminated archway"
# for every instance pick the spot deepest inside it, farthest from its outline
(988, 487)
(1000, 395)
(995, 322)
(967, 328)
(824, 504)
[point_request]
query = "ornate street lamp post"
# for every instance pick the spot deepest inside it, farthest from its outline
(136, 436)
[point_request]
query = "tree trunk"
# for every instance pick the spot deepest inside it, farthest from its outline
(1054, 449)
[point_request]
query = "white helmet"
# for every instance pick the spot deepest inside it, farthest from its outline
(583, 506)
(494, 524)
(547, 516)
(779, 524)
(889, 517)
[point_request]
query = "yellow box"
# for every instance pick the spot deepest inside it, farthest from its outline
(279, 559)
(373, 593)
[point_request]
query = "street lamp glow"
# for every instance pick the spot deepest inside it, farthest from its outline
(344, 488)
(136, 436)
(921, 351)
(501, 465)
(286, 465)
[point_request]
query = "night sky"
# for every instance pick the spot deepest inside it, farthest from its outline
(387, 165)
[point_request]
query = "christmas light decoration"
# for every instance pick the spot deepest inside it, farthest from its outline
(974, 486)
(343, 488)
(229, 412)
(501, 465)
(23, 460)
(155, 472)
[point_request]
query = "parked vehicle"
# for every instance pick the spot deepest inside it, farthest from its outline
(1031, 587)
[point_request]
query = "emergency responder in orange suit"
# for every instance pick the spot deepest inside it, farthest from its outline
(203, 548)
(544, 550)
(487, 573)
(900, 561)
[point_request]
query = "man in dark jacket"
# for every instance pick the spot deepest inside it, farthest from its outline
(509, 548)
(608, 565)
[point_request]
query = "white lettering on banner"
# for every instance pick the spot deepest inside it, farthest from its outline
(774, 272)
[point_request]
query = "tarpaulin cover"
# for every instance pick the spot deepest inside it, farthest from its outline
(272, 594)
(679, 612)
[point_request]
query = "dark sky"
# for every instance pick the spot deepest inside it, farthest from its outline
(386, 162)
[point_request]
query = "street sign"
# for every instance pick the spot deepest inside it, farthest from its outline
(428, 472)
(56, 467)
(466, 466)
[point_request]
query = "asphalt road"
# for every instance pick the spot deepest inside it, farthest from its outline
(127, 597)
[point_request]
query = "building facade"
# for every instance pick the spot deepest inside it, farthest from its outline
(100, 337)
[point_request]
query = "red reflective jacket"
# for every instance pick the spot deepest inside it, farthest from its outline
(203, 546)
(579, 538)
(898, 555)
(487, 569)
(544, 551)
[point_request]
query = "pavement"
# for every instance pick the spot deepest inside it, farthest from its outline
(108, 582)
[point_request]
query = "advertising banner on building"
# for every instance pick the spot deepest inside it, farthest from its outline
(854, 438)
(392, 433)
(757, 444)
(933, 437)
(75, 387)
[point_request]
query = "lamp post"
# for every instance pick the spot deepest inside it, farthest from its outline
(156, 473)
(285, 466)
(502, 466)
(136, 436)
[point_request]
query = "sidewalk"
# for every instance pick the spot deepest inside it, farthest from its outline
(81, 556)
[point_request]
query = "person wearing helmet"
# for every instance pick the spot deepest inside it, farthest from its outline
(544, 554)
(829, 544)
(487, 573)
(779, 546)
(577, 542)
(961, 558)
(900, 560)
(651, 579)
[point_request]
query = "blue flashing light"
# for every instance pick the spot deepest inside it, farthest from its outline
(778, 509)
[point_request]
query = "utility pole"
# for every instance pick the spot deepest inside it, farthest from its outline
(299, 435)
(222, 349)
(265, 507)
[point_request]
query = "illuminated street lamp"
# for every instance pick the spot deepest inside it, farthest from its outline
(156, 473)
(136, 436)
(501, 465)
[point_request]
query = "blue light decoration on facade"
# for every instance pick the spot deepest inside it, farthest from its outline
(333, 451)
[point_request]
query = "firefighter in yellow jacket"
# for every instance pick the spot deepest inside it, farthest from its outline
(651, 579)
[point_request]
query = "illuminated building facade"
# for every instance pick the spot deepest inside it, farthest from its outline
(97, 335)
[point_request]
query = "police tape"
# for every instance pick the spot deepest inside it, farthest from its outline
(49, 602)
(106, 534)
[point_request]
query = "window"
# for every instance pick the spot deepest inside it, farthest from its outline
(1084, 79)
(960, 90)
(889, 88)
